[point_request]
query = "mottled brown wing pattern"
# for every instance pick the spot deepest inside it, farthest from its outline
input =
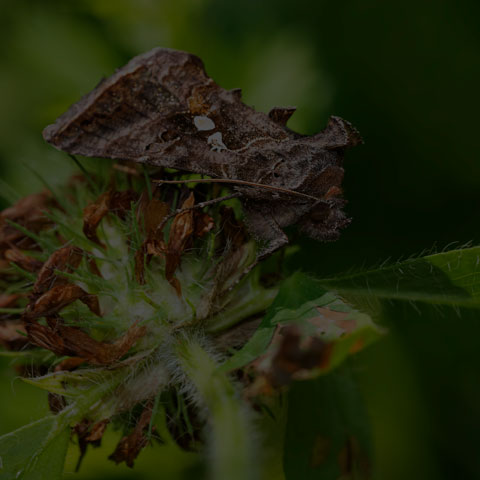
(163, 109)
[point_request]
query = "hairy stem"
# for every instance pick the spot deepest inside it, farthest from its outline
(229, 437)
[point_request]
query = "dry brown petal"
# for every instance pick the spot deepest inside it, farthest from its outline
(27, 207)
(8, 299)
(4, 265)
(181, 231)
(10, 338)
(153, 211)
(56, 402)
(140, 265)
(110, 201)
(27, 212)
(72, 341)
(65, 259)
(70, 363)
(97, 431)
(16, 256)
(93, 214)
(120, 202)
(92, 265)
(88, 434)
(156, 248)
(58, 298)
(153, 215)
(203, 223)
(44, 337)
(130, 446)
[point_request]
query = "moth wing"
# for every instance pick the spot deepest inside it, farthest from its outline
(161, 108)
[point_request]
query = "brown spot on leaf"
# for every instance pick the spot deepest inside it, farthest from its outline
(293, 355)
(320, 451)
(353, 461)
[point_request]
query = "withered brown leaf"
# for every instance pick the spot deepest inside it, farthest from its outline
(26, 262)
(59, 297)
(27, 212)
(11, 336)
(130, 446)
(152, 212)
(93, 215)
(71, 341)
(163, 109)
(8, 299)
(110, 201)
(181, 231)
(89, 434)
(65, 259)
(203, 223)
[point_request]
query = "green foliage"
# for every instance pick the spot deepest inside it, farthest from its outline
(328, 432)
(414, 182)
(450, 278)
(36, 451)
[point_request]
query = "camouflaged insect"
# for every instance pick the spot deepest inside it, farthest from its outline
(162, 109)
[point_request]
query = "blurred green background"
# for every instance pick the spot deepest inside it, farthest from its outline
(405, 73)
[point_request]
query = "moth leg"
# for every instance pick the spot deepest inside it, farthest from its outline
(262, 225)
(197, 205)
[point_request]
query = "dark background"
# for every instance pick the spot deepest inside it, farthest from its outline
(405, 73)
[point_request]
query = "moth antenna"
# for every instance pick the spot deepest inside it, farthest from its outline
(242, 182)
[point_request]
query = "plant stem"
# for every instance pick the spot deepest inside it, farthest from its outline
(229, 439)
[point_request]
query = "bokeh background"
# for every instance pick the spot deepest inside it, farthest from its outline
(405, 73)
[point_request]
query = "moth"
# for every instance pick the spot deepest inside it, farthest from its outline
(162, 109)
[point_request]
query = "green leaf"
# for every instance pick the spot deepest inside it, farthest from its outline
(327, 435)
(449, 278)
(295, 291)
(304, 302)
(36, 451)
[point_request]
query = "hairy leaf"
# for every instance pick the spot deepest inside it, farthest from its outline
(449, 278)
(35, 452)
